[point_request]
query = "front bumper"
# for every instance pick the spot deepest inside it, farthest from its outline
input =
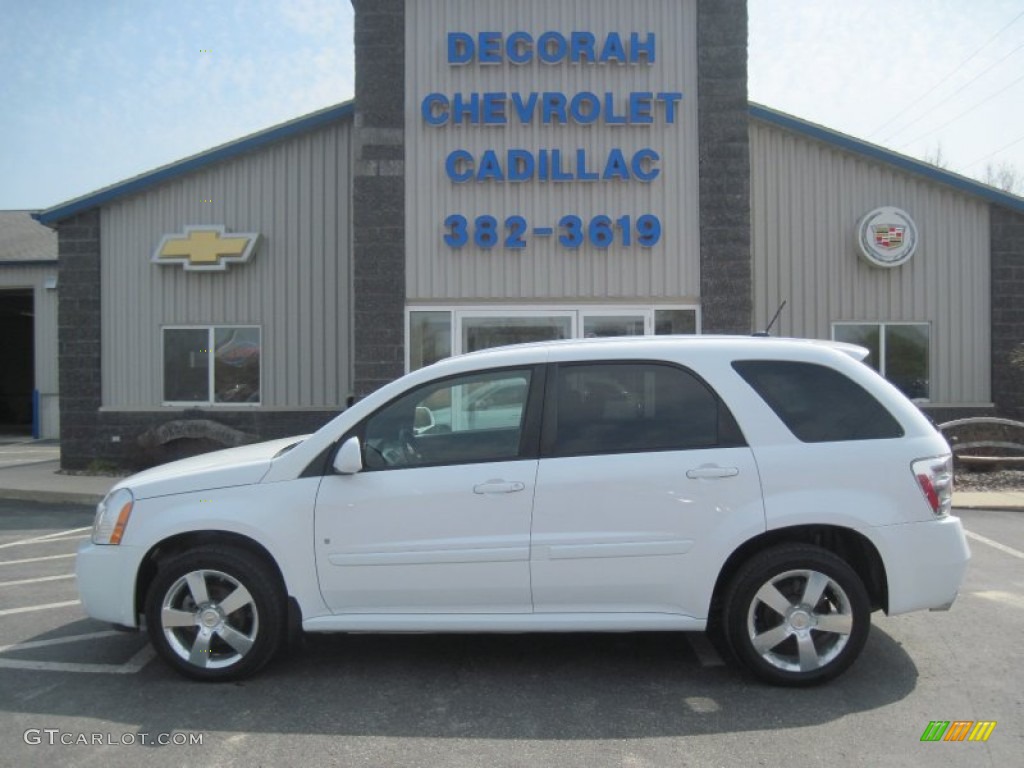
(106, 582)
(925, 563)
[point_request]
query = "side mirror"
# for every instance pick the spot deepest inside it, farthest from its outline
(349, 458)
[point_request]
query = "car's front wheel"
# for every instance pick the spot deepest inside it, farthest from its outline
(215, 613)
(796, 614)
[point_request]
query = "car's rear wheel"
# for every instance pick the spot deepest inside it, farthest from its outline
(796, 615)
(215, 613)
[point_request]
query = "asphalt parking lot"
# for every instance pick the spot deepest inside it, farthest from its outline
(75, 692)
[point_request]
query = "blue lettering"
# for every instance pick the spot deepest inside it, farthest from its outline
(545, 51)
(609, 111)
(554, 106)
(592, 112)
(520, 165)
(468, 112)
(557, 174)
(644, 49)
(542, 165)
(524, 110)
(453, 162)
(640, 107)
(460, 48)
(651, 172)
(494, 109)
(440, 117)
(616, 166)
(613, 49)
(490, 168)
(490, 48)
(670, 100)
(519, 48)
(581, 167)
(581, 47)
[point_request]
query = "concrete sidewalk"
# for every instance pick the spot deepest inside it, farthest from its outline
(42, 482)
(29, 471)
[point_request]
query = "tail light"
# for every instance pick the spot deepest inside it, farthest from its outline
(935, 477)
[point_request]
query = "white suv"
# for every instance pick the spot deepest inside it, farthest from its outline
(776, 490)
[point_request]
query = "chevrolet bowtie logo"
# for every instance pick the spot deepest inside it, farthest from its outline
(206, 248)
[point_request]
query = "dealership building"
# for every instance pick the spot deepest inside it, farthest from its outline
(511, 172)
(28, 319)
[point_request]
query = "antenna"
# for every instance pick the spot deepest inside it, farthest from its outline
(772, 321)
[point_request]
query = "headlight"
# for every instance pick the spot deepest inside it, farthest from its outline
(112, 517)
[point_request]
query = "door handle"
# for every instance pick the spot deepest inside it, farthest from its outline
(499, 486)
(712, 473)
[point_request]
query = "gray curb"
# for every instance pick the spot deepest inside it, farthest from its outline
(50, 497)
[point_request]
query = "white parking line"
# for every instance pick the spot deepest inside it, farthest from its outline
(995, 544)
(133, 665)
(36, 559)
(30, 608)
(36, 581)
(58, 640)
(48, 537)
(1008, 598)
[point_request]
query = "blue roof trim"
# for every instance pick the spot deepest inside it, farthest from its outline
(217, 154)
(887, 156)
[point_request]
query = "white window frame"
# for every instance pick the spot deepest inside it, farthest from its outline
(575, 311)
(210, 335)
(882, 335)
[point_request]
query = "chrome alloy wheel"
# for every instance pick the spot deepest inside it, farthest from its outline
(209, 619)
(799, 620)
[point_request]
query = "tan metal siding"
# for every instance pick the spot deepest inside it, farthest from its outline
(296, 287)
(806, 201)
(545, 270)
(25, 275)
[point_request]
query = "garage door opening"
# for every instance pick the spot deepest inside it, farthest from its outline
(17, 361)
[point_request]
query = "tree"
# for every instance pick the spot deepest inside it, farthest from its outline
(937, 157)
(1005, 176)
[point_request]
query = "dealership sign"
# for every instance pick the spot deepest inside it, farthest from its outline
(603, 111)
(887, 237)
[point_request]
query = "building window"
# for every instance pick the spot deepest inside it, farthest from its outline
(217, 365)
(435, 333)
(899, 351)
(675, 321)
(430, 338)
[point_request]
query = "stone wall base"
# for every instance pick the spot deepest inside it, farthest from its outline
(136, 440)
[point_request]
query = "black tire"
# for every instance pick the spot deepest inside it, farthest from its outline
(799, 643)
(230, 634)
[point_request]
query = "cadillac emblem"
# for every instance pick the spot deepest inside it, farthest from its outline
(887, 237)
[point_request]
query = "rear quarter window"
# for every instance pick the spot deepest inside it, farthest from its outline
(818, 404)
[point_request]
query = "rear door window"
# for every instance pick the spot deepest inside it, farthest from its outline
(818, 404)
(632, 407)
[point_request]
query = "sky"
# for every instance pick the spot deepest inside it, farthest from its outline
(93, 92)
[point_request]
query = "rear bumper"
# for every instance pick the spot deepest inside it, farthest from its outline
(925, 563)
